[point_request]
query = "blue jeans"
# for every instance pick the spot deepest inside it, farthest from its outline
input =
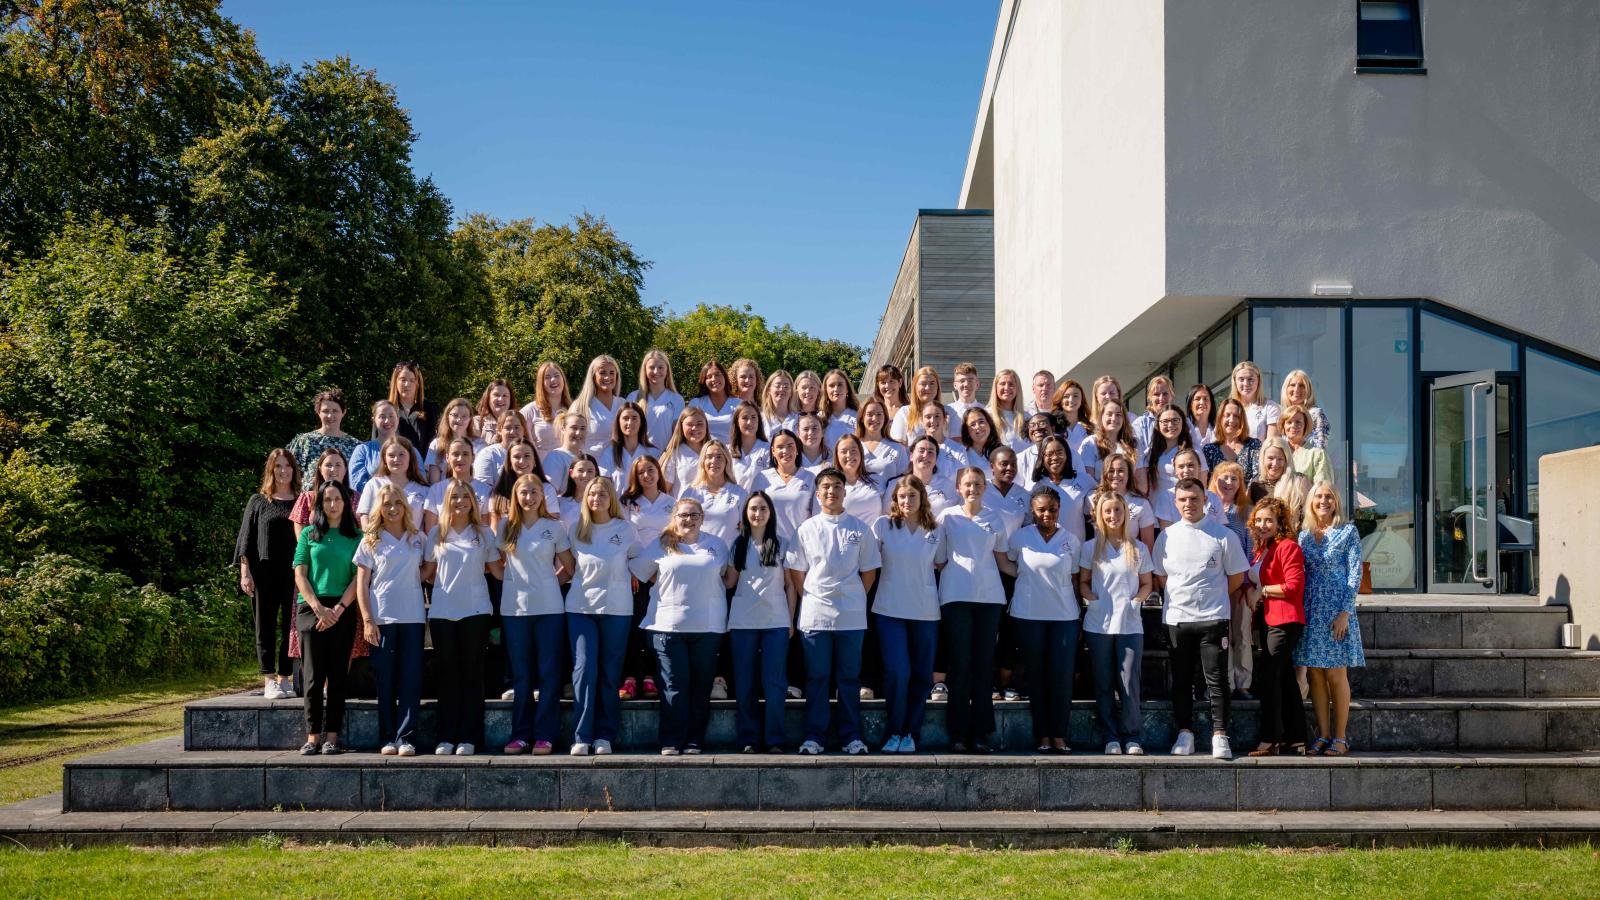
(397, 663)
(908, 646)
(688, 665)
(760, 657)
(598, 645)
(536, 644)
(1049, 649)
(835, 654)
(1117, 660)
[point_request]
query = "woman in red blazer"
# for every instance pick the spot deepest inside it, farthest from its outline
(1277, 594)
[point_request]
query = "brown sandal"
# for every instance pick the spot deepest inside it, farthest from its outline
(1268, 750)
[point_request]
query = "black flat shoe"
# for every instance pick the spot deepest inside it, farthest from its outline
(776, 749)
(958, 747)
(982, 749)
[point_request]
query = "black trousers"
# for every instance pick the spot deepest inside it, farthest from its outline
(1283, 714)
(640, 661)
(273, 604)
(458, 651)
(1207, 641)
(325, 662)
(967, 632)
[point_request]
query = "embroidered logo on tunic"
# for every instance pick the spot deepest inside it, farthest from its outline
(1211, 562)
(931, 538)
(852, 537)
(616, 540)
(547, 535)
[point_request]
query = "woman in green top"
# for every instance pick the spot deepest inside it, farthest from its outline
(324, 573)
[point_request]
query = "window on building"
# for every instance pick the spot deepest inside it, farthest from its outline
(1388, 36)
(1563, 403)
(1301, 336)
(1449, 346)
(1216, 358)
(1381, 461)
(1186, 371)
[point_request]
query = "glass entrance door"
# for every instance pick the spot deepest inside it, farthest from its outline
(1470, 485)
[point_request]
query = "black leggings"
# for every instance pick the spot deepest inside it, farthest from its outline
(1283, 713)
(458, 651)
(968, 632)
(273, 602)
(325, 660)
(1208, 641)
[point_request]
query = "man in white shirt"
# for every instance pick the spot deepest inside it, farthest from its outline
(832, 564)
(965, 387)
(1198, 565)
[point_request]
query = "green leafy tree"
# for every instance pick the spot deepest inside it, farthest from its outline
(151, 378)
(100, 98)
(561, 292)
(726, 333)
(314, 184)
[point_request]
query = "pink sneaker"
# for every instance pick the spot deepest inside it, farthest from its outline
(542, 748)
(629, 689)
(649, 687)
(516, 747)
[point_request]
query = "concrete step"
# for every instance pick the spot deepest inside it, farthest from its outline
(1455, 623)
(41, 824)
(248, 722)
(159, 776)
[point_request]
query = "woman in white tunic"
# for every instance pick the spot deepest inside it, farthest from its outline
(1044, 559)
(538, 554)
(658, 396)
(1114, 573)
(906, 610)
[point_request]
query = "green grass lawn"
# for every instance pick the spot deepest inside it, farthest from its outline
(36, 739)
(261, 868)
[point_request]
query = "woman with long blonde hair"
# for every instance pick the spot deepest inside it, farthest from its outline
(1331, 644)
(777, 401)
(1115, 575)
(538, 554)
(390, 567)
(680, 459)
(1005, 409)
(1278, 478)
(925, 388)
(1260, 410)
(459, 615)
(721, 499)
(658, 396)
(599, 399)
(550, 398)
(599, 615)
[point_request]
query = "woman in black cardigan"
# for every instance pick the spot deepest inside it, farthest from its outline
(265, 557)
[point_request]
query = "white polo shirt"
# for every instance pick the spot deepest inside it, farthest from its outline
(660, 414)
(459, 587)
(1045, 573)
(833, 551)
(396, 585)
(719, 420)
(864, 500)
(688, 596)
(618, 472)
(415, 491)
(603, 585)
(1197, 560)
(906, 586)
(1114, 600)
(682, 468)
(650, 517)
(887, 461)
(748, 466)
(760, 599)
(531, 588)
(722, 509)
(600, 418)
(1012, 508)
(971, 574)
(544, 435)
(792, 500)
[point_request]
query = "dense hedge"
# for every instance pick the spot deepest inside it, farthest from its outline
(68, 628)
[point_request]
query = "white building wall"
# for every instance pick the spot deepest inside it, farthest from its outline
(1079, 186)
(1477, 184)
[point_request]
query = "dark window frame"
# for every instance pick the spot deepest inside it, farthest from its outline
(1385, 64)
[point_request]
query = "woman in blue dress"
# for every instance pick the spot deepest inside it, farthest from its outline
(1332, 639)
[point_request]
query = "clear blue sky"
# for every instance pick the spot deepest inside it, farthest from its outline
(758, 152)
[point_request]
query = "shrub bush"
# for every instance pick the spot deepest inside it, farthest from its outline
(67, 628)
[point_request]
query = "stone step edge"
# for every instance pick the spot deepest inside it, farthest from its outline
(35, 824)
(247, 702)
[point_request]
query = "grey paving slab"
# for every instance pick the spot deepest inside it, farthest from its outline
(1563, 788)
(875, 820)
(179, 821)
(1297, 788)
(800, 788)
(605, 790)
(992, 789)
(1179, 789)
(1501, 729)
(277, 822)
(1372, 788)
(900, 788)
(1562, 677)
(1100, 788)
(503, 787)
(308, 787)
(1478, 788)
(643, 821)
(528, 821)
(116, 789)
(222, 728)
(413, 787)
(767, 821)
(439, 821)
(707, 788)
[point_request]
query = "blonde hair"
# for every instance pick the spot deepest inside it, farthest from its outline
(677, 440)
(745, 362)
(374, 524)
(667, 383)
(1292, 487)
(519, 517)
(938, 387)
(1261, 384)
(1241, 493)
(1294, 411)
(585, 527)
(547, 405)
(447, 510)
(1009, 422)
(767, 407)
(1158, 380)
(1120, 536)
(442, 435)
(808, 375)
(700, 479)
(670, 535)
(587, 392)
(1093, 400)
(1310, 517)
(1302, 376)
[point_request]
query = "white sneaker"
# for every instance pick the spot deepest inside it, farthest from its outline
(867, 694)
(856, 748)
(1184, 746)
(1132, 748)
(719, 690)
(579, 749)
(669, 751)
(1113, 748)
(271, 691)
(389, 749)
(907, 745)
(465, 748)
(939, 694)
(811, 748)
(795, 693)
(445, 748)
(1221, 747)
(602, 747)
(405, 749)
(892, 745)
(286, 690)
(509, 695)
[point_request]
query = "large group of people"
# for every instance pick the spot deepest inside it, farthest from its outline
(776, 536)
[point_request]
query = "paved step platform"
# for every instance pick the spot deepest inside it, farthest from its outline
(160, 777)
(41, 824)
(1437, 621)
(249, 722)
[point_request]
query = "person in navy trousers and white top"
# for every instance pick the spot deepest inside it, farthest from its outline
(907, 610)
(389, 572)
(834, 561)
(687, 616)
(599, 615)
(760, 625)
(538, 553)
(1044, 559)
